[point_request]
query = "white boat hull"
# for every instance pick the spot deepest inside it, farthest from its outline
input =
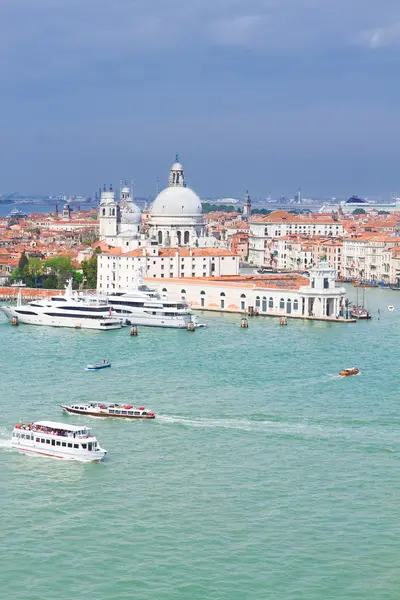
(180, 322)
(40, 450)
(74, 322)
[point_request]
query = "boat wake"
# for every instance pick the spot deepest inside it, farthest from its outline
(5, 439)
(367, 437)
(211, 423)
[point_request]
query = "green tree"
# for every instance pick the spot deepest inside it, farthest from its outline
(23, 261)
(89, 269)
(208, 207)
(35, 270)
(50, 282)
(61, 267)
(359, 211)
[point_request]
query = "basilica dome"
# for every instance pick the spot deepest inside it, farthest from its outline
(176, 201)
(131, 214)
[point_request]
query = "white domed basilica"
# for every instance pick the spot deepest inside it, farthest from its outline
(176, 217)
(119, 221)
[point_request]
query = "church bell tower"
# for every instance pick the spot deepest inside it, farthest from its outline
(108, 214)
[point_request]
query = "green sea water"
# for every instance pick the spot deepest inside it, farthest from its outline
(265, 475)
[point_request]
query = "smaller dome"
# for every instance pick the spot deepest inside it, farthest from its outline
(177, 166)
(131, 214)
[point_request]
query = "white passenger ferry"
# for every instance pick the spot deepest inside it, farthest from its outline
(57, 440)
(104, 409)
(65, 311)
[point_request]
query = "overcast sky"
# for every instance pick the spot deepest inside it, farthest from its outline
(267, 95)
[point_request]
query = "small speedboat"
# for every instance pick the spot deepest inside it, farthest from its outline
(347, 372)
(98, 366)
(391, 308)
(104, 409)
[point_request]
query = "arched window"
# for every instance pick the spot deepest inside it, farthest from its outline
(264, 304)
(222, 295)
(243, 296)
(164, 290)
(179, 234)
(289, 306)
(183, 291)
(202, 299)
(160, 237)
(113, 212)
(104, 212)
(258, 302)
(282, 304)
(295, 305)
(183, 294)
(186, 238)
(243, 302)
(271, 302)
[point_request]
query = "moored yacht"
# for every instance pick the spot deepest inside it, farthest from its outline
(57, 440)
(141, 305)
(105, 409)
(64, 311)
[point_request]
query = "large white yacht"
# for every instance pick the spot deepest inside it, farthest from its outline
(57, 440)
(65, 311)
(141, 305)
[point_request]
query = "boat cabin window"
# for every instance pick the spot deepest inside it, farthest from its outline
(137, 412)
(111, 411)
(38, 439)
(123, 412)
(90, 446)
(76, 445)
(84, 446)
(43, 441)
(69, 445)
(130, 412)
(64, 444)
(47, 441)
(58, 443)
(117, 412)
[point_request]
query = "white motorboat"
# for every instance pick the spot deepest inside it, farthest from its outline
(57, 440)
(65, 311)
(105, 409)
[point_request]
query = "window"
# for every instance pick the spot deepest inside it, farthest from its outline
(58, 443)
(326, 283)
(295, 305)
(258, 302)
(186, 237)
(222, 296)
(69, 445)
(43, 440)
(64, 444)
(282, 304)
(84, 446)
(47, 441)
(264, 304)
(271, 303)
(76, 445)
